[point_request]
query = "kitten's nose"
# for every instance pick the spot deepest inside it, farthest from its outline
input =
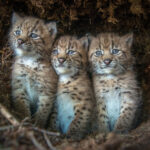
(20, 41)
(107, 61)
(61, 60)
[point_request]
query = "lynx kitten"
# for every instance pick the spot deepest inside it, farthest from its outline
(33, 79)
(115, 86)
(74, 102)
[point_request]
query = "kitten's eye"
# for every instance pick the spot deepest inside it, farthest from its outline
(17, 32)
(115, 51)
(34, 36)
(99, 53)
(71, 52)
(55, 52)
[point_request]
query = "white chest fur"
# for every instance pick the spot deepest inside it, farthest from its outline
(65, 111)
(29, 62)
(113, 102)
(28, 80)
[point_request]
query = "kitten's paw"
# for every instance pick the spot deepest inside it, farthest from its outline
(75, 135)
(104, 130)
(121, 130)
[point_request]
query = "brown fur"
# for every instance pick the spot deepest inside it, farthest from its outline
(116, 90)
(33, 78)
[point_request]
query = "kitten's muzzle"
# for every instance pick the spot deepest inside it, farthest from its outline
(20, 41)
(61, 60)
(107, 61)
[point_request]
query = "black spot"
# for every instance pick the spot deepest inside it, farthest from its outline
(84, 108)
(78, 110)
(103, 108)
(35, 69)
(65, 92)
(129, 108)
(75, 88)
(79, 98)
(68, 82)
(87, 99)
(23, 75)
(101, 81)
(73, 94)
(81, 113)
(78, 122)
(17, 81)
(89, 109)
(81, 93)
(73, 97)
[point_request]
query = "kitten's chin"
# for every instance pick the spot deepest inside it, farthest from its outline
(65, 71)
(108, 71)
(18, 51)
(61, 70)
(104, 71)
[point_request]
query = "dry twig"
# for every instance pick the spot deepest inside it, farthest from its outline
(9, 116)
(6, 127)
(31, 136)
(46, 132)
(48, 142)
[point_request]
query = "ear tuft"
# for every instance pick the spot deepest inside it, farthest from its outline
(128, 38)
(15, 17)
(52, 27)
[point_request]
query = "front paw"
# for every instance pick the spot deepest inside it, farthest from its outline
(75, 135)
(120, 129)
(103, 129)
(38, 121)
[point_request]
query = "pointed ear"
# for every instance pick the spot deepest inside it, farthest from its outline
(15, 17)
(86, 40)
(52, 27)
(128, 39)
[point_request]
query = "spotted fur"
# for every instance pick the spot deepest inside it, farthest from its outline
(33, 78)
(116, 90)
(74, 103)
